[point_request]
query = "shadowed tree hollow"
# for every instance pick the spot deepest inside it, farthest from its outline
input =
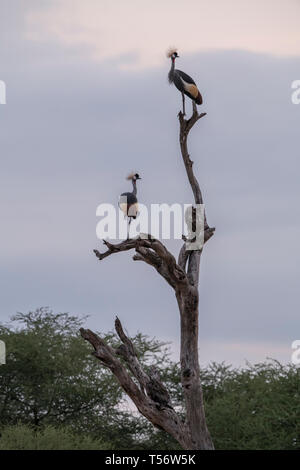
(145, 388)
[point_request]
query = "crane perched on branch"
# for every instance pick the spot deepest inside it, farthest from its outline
(183, 82)
(146, 389)
(128, 202)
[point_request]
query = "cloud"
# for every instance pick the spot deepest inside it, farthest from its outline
(146, 29)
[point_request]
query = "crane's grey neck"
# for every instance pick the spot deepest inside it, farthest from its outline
(134, 186)
(171, 73)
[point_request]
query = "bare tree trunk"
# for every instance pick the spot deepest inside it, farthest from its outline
(188, 303)
(146, 389)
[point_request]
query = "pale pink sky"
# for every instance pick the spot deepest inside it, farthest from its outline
(147, 28)
(66, 146)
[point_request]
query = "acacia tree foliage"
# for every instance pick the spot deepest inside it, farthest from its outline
(50, 378)
(257, 407)
(49, 375)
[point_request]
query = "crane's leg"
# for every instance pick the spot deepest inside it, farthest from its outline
(128, 227)
(183, 103)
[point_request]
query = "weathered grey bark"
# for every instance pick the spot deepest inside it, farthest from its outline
(146, 389)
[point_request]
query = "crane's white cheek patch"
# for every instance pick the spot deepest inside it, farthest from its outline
(192, 89)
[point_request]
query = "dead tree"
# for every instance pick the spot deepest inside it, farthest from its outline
(146, 389)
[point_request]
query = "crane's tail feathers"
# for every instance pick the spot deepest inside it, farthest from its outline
(171, 51)
(198, 99)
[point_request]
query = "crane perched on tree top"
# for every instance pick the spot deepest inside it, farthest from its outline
(183, 82)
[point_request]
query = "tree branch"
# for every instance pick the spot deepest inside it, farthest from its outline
(185, 127)
(153, 252)
(127, 352)
(155, 405)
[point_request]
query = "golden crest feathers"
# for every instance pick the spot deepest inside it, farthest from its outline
(130, 176)
(171, 51)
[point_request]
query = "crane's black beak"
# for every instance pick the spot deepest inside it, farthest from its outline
(139, 178)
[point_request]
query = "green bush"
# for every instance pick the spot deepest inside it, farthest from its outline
(25, 437)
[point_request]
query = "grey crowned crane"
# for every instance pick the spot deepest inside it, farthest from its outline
(183, 82)
(128, 202)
